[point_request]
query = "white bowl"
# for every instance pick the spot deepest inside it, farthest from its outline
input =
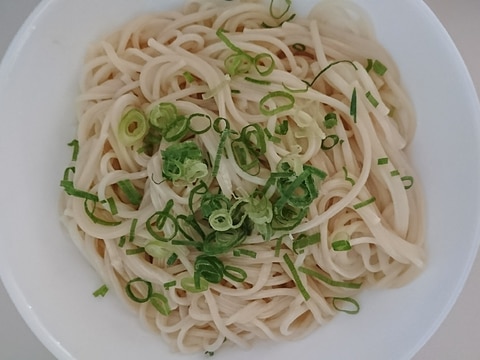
(50, 282)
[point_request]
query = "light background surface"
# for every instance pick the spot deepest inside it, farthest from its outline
(457, 338)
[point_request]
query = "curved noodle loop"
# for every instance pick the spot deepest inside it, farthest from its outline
(239, 172)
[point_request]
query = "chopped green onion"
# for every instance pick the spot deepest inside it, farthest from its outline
(369, 65)
(329, 142)
(382, 161)
(70, 189)
(188, 284)
(220, 220)
(157, 249)
(130, 191)
(211, 353)
(364, 203)
(341, 245)
(288, 4)
(131, 234)
(305, 240)
(209, 268)
(188, 77)
(199, 117)
(159, 219)
(94, 218)
(351, 301)
(171, 260)
(330, 120)
(299, 47)
(246, 252)
(235, 273)
(112, 205)
(347, 178)
(101, 291)
(296, 277)
(372, 99)
(282, 128)
(408, 181)
(162, 114)
(170, 284)
(310, 84)
(135, 251)
(268, 62)
(394, 173)
(183, 162)
(145, 284)
(328, 280)
(278, 246)
(353, 105)
(133, 127)
(379, 68)
(76, 149)
(160, 302)
(121, 242)
(66, 173)
(281, 95)
(239, 63)
(257, 81)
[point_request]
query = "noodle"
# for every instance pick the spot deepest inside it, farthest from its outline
(361, 218)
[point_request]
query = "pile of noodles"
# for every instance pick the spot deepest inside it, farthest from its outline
(367, 198)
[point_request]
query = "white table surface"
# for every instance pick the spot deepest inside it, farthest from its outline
(457, 338)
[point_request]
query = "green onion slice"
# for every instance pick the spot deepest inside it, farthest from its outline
(101, 291)
(328, 280)
(304, 240)
(250, 253)
(133, 127)
(76, 149)
(408, 181)
(188, 284)
(160, 302)
(372, 99)
(209, 268)
(147, 287)
(330, 120)
(382, 161)
(287, 102)
(130, 191)
(341, 245)
(364, 203)
(296, 277)
(96, 219)
(170, 284)
(338, 301)
(157, 221)
(353, 105)
(234, 273)
(329, 142)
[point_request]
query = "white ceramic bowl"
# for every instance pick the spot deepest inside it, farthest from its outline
(51, 284)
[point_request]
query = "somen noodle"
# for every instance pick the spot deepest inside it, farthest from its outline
(239, 171)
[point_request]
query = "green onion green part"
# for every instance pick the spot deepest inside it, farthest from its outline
(408, 181)
(101, 291)
(130, 191)
(364, 203)
(296, 277)
(330, 120)
(341, 245)
(76, 149)
(382, 161)
(327, 280)
(353, 105)
(147, 287)
(338, 301)
(372, 99)
(160, 302)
